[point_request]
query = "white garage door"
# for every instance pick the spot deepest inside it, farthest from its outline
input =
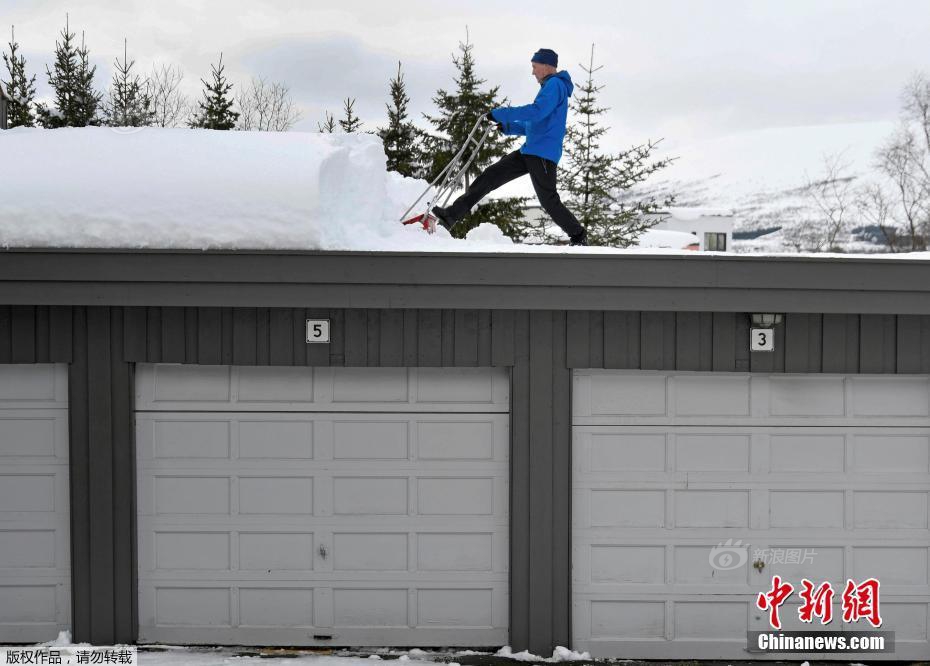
(297, 506)
(35, 569)
(822, 477)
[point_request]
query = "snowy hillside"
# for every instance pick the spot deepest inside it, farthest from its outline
(760, 175)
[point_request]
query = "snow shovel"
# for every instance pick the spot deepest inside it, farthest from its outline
(450, 178)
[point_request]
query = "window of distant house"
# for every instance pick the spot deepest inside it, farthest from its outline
(715, 242)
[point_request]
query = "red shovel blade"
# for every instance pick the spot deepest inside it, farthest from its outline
(428, 221)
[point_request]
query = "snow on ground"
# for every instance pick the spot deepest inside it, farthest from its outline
(177, 655)
(98, 187)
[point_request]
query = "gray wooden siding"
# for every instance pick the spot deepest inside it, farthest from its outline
(266, 336)
(719, 341)
(102, 344)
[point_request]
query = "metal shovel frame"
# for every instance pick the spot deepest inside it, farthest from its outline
(450, 178)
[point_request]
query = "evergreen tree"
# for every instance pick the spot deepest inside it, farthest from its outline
(129, 103)
(215, 110)
(351, 122)
(458, 112)
(20, 89)
(400, 135)
(596, 182)
(328, 126)
(72, 81)
(87, 100)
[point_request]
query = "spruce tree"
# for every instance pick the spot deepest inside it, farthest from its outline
(458, 112)
(62, 82)
(351, 122)
(328, 126)
(597, 182)
(86, 100)
(129, 103)
(400, 135)
(20, 89)
(215, 110)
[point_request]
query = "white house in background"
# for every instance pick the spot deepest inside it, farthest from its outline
(709, 229)
(712, 226)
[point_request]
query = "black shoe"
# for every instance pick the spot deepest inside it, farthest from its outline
(580, 239)
(443, 217)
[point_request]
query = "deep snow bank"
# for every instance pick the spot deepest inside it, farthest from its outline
(201, 189)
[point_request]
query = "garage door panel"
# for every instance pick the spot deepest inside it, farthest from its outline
(873, 453)
(606, 397)
(27, 386)
(35, 547)
(827, 478)
(198, 388)
(890, 396)
(385, 525)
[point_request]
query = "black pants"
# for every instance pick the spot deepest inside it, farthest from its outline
(543, 174)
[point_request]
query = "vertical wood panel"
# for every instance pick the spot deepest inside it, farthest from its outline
(908, 343)
(484, 338)
(153, 334)
(134, 334)
(356, 338)
(429, 338)
(411, 329)
(803, 340)
(688, 341)
(23, 333)
(101, 472)
(541, 480)
(125, 567)
(60, 333)
(172, 335)
(263, 336)
(374, 328)
(209, 336)
(657, 340)
(520, 458)
(392, 338)
(724, 345)
(502, 338)
(42, 335)
(621, 340)
(596, 339)
(448, 338)
(741, 340)
(191, 326)
(244, 336)
(877, 341)
(298, 335)
(579, 339)
(79, 473)
(561, 486)
(6, 334)
(321, 355)
(226, 336)
(465, 338)
(281, 336)
(925, 346)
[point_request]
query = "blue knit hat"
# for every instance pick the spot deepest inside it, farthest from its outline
(546, 57)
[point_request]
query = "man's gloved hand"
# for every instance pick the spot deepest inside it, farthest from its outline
(490, 119)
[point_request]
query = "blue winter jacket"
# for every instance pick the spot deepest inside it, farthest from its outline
(543, 121)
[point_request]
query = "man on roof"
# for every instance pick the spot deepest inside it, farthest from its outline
(543, 125)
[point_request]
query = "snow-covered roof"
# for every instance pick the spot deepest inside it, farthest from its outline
(163, 188)
(696, 212)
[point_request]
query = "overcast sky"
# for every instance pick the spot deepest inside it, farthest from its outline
(679, 69)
